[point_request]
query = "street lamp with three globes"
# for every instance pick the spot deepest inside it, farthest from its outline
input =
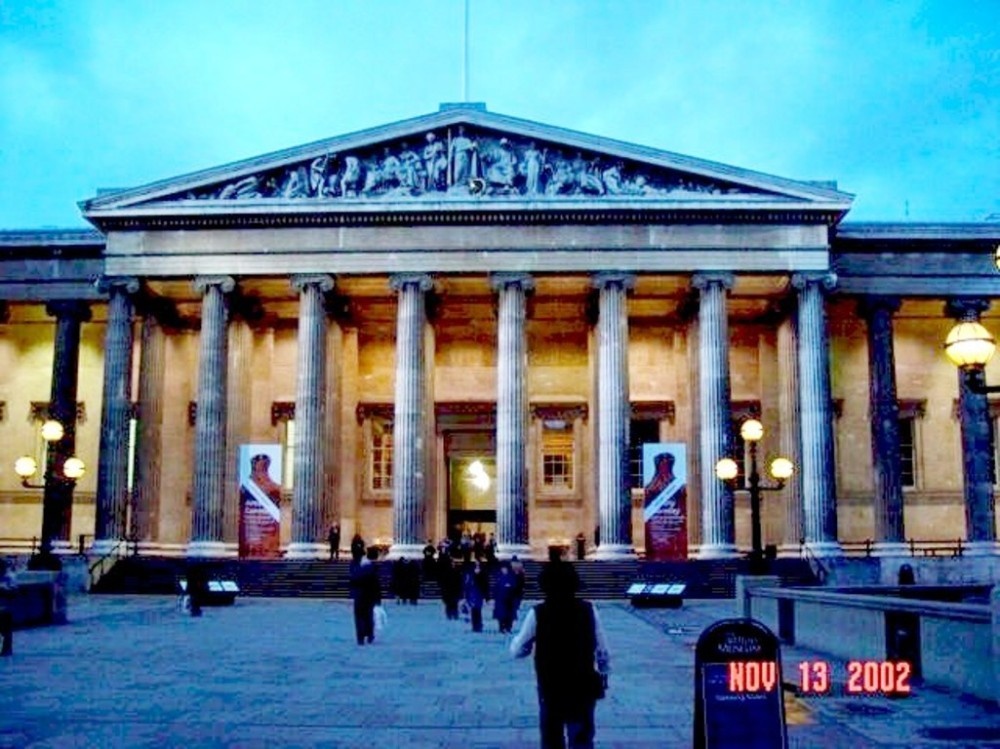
(781, 469)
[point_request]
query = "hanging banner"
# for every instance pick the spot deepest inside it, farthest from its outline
(664, 474)
(260, 500)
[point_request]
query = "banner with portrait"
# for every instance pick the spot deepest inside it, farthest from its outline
(260, 501)
(664, 480)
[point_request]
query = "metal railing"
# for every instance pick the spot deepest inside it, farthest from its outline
(915, 548)
(104, 563)
(815, 563)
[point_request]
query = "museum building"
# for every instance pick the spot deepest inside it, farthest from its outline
(470, 320)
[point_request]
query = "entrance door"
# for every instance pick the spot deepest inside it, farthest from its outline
(472, 499)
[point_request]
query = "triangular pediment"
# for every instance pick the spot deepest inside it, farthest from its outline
(465, 157)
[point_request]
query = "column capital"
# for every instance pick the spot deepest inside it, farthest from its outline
(966, 309)
(69, 309)
(128, 284)
(422, 281)
(702, 281)
(226, 283)
(872, 303)
(827, 281)
(603, 279)
(499, 281)
(323, 281)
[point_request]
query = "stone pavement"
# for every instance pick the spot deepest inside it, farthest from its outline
(134, 672)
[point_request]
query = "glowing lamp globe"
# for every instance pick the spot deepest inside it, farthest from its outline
(25, 467)
(52, 431)
(726, 469)
(74, 468)
(782, 469)
(751, 430)
(969, 344)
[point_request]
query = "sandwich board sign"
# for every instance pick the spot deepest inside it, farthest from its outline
(737, 688)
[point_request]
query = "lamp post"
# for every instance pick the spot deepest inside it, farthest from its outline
(61, 474)
(781, 469)
(970, 346)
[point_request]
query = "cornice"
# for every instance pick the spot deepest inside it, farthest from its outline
(508, 215)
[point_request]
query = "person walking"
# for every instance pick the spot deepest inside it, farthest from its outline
(367, 594)
(8, 591)
(568, 640)
(357, 547)
(503, 598)
(451, 585)
(475, 582)
(334, 538)
(517, 570)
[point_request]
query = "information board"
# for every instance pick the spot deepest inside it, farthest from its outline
(738, 697)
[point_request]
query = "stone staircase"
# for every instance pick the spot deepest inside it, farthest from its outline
(326, 579)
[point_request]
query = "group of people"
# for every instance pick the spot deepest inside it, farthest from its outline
(563, 632)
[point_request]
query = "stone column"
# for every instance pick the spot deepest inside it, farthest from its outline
(877, 311)
(512, 414)
(614, 497)
(308, 533)
(210, 426)
(977, 446)
(408, 480)
(819, 491)
(717, 508)
(57, 507)
(146, 489)
(116, 409)
(791, 434)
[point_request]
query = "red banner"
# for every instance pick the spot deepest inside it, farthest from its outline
(665, 505)
(260, 497)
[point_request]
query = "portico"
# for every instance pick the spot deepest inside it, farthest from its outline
(352, 320)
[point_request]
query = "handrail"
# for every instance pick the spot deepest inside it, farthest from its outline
(914, 547)
(101, 567)
(815, 563)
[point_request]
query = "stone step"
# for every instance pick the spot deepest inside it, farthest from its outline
(329, 579)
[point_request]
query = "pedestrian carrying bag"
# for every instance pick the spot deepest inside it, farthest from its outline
(381, 619)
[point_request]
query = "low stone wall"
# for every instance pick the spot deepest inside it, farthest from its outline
(39, 599)
(951, 644)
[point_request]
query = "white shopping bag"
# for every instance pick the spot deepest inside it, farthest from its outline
(381, 619)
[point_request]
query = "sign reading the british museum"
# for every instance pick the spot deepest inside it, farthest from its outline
(260, 499)
(664, 478)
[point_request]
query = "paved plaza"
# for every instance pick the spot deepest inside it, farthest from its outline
(131, 671)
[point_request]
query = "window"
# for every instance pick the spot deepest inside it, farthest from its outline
(907, 452)
(380, 468)
(557, 455)
(641, 432)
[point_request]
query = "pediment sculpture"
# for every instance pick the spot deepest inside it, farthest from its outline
(465, 162)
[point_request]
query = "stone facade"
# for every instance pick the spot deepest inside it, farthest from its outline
(634, 292)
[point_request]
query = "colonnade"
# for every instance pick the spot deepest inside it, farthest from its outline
(804, 395)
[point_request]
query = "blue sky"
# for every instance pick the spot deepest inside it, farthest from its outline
(898, 101)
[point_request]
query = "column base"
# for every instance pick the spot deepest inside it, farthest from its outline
(410, 551)
(890, 549)
(506, 551)
(207, 549)
(718, 551)
(980, 548)
(612, 552)
(823, 549)
(104, 546)
(789, 551)
(307, 550)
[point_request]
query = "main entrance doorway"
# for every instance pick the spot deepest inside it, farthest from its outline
(472, 478)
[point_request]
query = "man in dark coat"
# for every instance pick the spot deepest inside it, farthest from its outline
(568, 640)
(504, 592)
(367, 594)
(334, 538)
